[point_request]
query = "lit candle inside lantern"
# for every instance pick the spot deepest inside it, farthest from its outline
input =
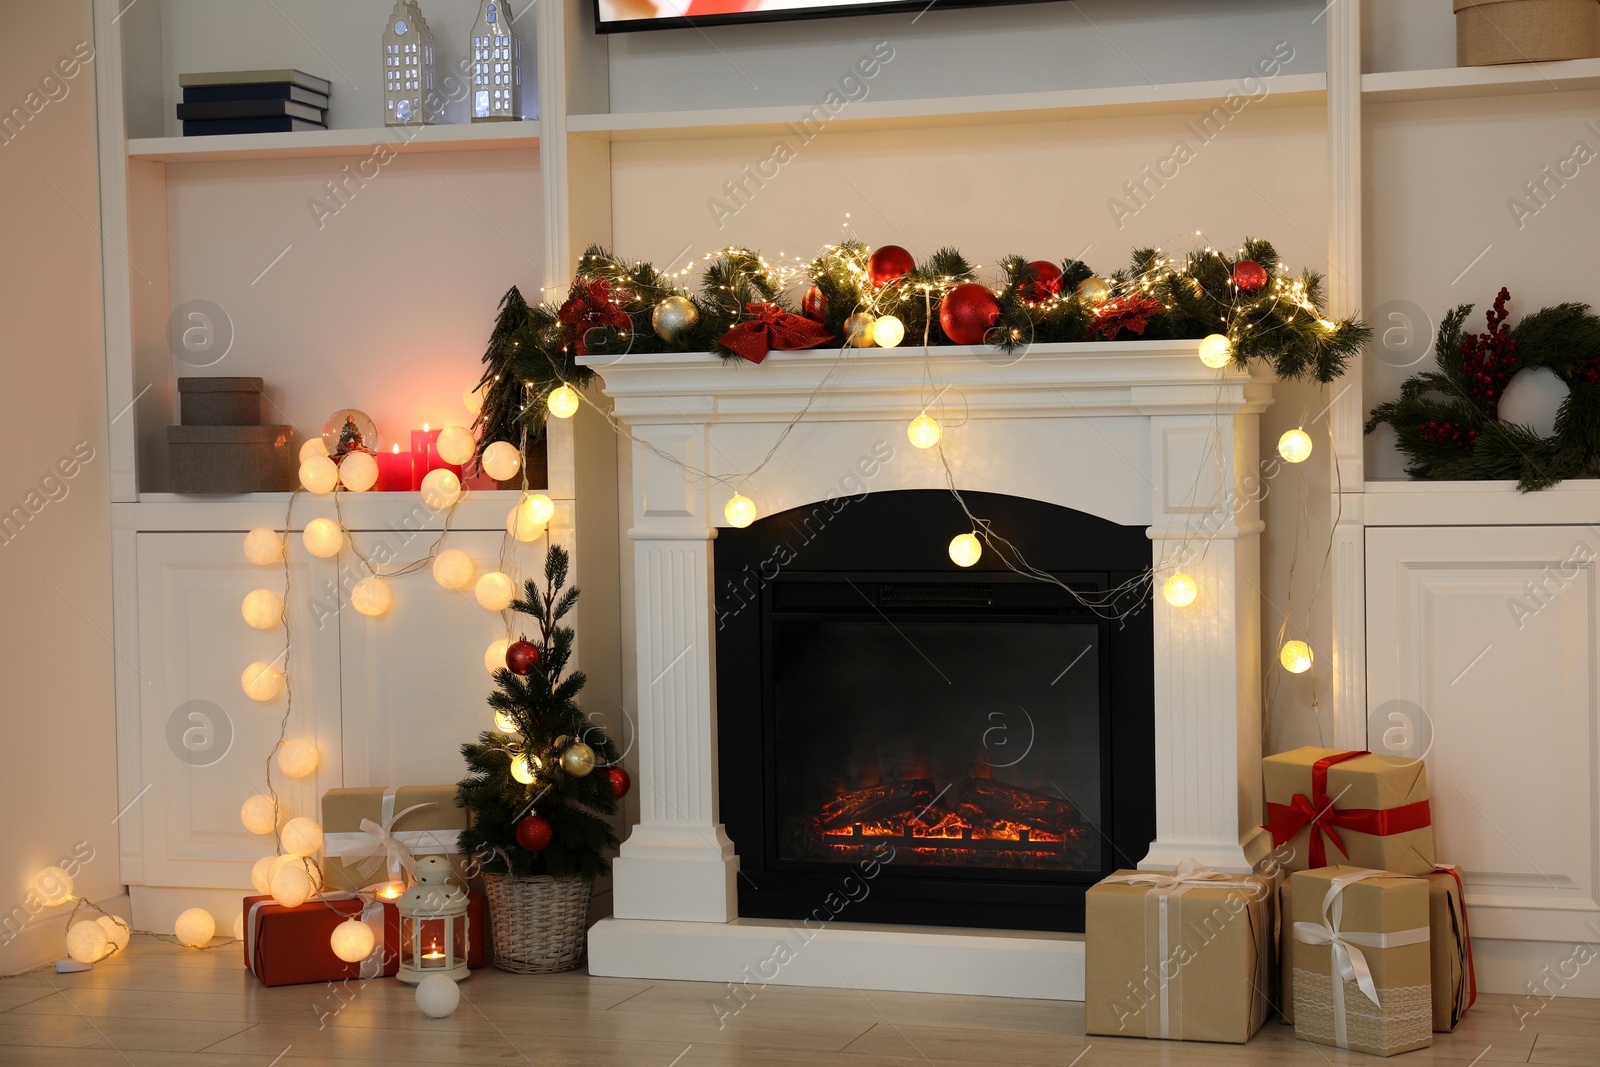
(394, 471)
(392, 891)
(433, 953)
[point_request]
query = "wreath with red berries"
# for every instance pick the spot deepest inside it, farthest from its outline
(1447, 421)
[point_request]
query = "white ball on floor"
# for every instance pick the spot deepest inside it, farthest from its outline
(87, 942)
(117, 931)
(238, 927)
(194, 928)
(437, 996)
(1532, 398)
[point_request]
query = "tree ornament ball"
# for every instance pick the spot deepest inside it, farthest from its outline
(263, 546)
(455, 445)
(117, 931)
(261, 874)
(578, 760)
(1249, 276)
(262, 608)
(372, 597)
(437, 996)
(888, 331)
(1180, 590)
(502, 461)
(965, 549)
(320, 475)
(673, 318)
(87, 942)
(534, 833)
(352, 940)
(259, 814)
(262, 682)
(195, 928)
(563, 401)
(292, 885)
(619, 780)
(1046, 281)
(1295, 446)
(1532, 398)
(452, 569)
(495, 658)
(1093, 291)
(889, 264)
(495, 591)
(1216, 351)
(521, 657)
(813, 305)
(323, 538)
(313, 446)
(302, 837)
(358, 472)
(1295, 656)
(968, 312)
(440, 488)
(298, 758)
(52, 886)
(858, 329)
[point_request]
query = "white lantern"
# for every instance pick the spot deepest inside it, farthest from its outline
(263, 608)
(562, 402)
(319, 475)
(409, 97)
(455, 445)
(263, 546)
(259, 814)
(352, 940)
(495, 591)
(502, 461)
(298, 758)
(262, 681)
(496, 65)
(452, 569)
(433, 925)
(440, 488)
(323, 538)
(372, 597)
(87, 942)
(195, 927)
(302, 837)
(358, 472)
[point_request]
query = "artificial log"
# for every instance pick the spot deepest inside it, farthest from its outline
(988, 800)
(905, 798)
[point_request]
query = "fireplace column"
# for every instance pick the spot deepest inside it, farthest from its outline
(678, 863)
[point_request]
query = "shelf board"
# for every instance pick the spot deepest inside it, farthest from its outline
(1461, 83)
(309, 144)
(1124, 100)
(1407, 502)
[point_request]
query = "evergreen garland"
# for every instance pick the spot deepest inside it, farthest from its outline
(545, 709)
(1447, 421)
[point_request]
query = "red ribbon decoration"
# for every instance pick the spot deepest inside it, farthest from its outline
(1286, 820)
(772, 328)
(1466, 937)
(589, 306)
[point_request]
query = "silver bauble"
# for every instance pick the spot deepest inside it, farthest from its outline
(858, 329)
(674, 317)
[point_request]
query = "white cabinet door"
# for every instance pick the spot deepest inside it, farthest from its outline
(415, 687)
(202, 742)
(1484, 638)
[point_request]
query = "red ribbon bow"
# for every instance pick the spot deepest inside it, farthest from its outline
(1131, 313)
(772, 328)
(1318, 812)
(589, 306)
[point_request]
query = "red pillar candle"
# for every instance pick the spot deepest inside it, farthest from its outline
(423, 456)
(394, 471)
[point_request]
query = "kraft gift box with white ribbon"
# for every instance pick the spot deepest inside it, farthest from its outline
(374, 834)
(1185, 956)
(1362, 960)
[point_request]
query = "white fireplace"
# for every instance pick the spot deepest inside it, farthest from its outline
(1139, 433)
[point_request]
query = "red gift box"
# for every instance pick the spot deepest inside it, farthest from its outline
(290, 946)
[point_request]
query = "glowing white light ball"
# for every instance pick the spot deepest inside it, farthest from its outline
(298, 758)
(52, 886)
(314, 446)
(319, 475)
(262, 681)
(358, 472)
(117, 931)
(1180, 590)
(452, 569)
(924, 432)
(323, 538)
(263, 608)
(495, 593)
(562, 402)
(502, 461)
(261, 874)
(1295, 446)
(965, 549)
(1216, 351)
(259, 814)
(352, 940)
(194, 928)
(505, 723)
(888, 331)
(522, 770)
(521, 524)
(1295, 657)
(372, 597)
(263, 547)
(302, 837)
(740, 512)
(456, 444)
(87, 942)
(292, 886)
(472, 400)
(494, 658)
(440, 489)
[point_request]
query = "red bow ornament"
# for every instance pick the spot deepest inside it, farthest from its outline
(589, 307)
(772, 328)
(1131, 313)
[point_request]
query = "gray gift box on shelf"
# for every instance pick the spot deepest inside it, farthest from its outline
(220, 401)
(230, 459)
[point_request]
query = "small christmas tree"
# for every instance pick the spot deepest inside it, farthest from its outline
(538, 796)
(519, 372)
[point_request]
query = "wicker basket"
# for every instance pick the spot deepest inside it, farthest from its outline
(1489, 32)
(539, 923)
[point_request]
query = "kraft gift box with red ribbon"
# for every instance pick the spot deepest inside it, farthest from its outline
(291, 946)
(1362, 960)
(1358, 808)
(374, 834)
(1185, 956)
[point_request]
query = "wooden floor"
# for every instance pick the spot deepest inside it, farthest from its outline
(161, 1005)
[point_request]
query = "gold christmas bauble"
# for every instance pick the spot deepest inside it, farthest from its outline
(578, 760)
(858, 330)
(1094, 291)
(674, 317)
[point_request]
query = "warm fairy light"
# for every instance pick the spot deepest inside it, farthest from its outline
(494, 657)
(1180, 590)
(358, 472)
(262, 682)
(1216, 351)
(116, 929)
(452, 569)
(924, 431)
(472, 400)
(52, 886)
(520, 521)
(522, 770)
(740, 511)
(323, 538)
(1295, 446)
(314, 446)
(541, 509)
(298, 758)
(352, 940)
(440, 488)
(259, 814)
(965, 549)
(501, 461)
(263, 608)
(495, 592)
(562, 402)
(195, 927)
(302, 837)
(372, 597)
(392, 891)
(261, 874)
(455, 445)
(264, 546)
(1295, 657)
(319, 474)
(888, 331)
(292, 885)
(87, 942)
(505, 723)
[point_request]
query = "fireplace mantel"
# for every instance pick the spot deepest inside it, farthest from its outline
(1140, 433)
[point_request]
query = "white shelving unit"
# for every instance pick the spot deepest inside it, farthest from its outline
(319, 143)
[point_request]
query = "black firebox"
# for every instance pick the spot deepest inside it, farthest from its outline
(979, 742)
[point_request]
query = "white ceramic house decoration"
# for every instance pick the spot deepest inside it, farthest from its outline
(408, 98)
(496, 65)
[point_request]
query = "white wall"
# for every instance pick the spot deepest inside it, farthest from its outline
(59, 787)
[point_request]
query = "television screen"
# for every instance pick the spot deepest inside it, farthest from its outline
(615, 16)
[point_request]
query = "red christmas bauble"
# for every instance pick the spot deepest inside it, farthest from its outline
(813, 305)
(1249, 275)
(620, 781)
(889, 263)
(534, 832)
(967, 313)
(521, 656)
(1046, 281)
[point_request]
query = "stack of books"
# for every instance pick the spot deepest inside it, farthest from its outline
(252, 101)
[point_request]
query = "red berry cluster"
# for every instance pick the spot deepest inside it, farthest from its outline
(1488, 360)
(1589, 373)
(1444, 432)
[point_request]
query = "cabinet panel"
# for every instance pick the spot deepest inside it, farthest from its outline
(1482, 640)
(202, 742)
